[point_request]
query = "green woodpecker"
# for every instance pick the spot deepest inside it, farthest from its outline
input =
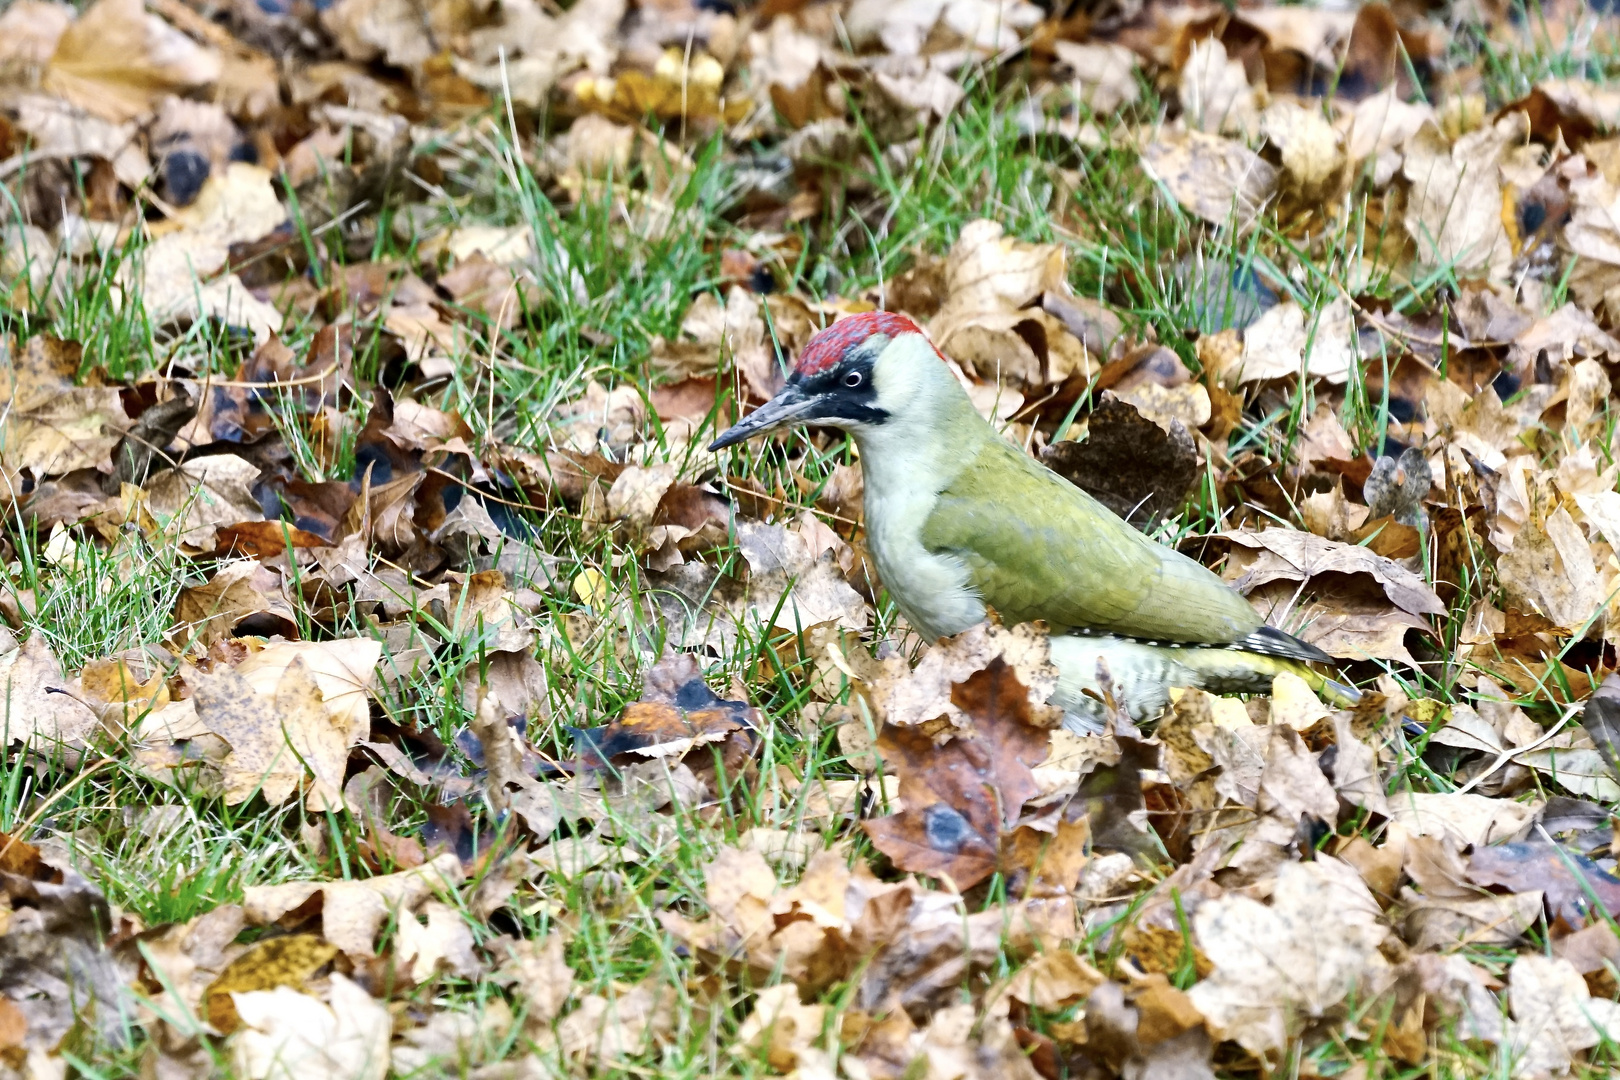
(959, 520)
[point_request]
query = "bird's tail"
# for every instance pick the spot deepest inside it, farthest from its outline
(1232, 672)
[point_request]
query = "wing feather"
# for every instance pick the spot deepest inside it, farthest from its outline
(1040, 548)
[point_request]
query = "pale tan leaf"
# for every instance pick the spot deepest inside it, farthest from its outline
(1215, 92)
(1454, 213)
(287, 1035)
(1216, 179)
(117, 60)
(41, 709)
(1279, 967)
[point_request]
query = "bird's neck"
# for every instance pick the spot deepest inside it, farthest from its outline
(925, 442)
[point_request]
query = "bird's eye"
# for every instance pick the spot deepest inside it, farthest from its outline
(853, 379)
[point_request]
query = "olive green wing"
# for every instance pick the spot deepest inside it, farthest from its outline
(1037, 547)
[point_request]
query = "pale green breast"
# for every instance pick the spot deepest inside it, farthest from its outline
(1037, 547)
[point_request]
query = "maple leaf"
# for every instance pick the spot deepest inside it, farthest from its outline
(959, 797)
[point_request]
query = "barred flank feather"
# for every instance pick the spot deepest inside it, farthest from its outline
(1142, 673)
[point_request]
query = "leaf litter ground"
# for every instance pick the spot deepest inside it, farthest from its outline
(394, 684)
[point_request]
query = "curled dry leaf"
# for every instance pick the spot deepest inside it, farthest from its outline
(992, 321)
(352, 913)
(1367, 602)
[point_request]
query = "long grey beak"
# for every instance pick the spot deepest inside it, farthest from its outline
(780, 411)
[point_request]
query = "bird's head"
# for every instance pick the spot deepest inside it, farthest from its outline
(856, 374)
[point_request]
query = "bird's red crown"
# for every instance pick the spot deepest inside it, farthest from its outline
(829, 346)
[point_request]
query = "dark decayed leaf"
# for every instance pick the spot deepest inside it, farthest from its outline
(57, 971)
(677, 712)
(1131, 465)
(1112, 796)
(1575, 886)
(142, 447)
(1601, 719)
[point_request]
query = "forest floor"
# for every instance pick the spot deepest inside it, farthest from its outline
(395, 683)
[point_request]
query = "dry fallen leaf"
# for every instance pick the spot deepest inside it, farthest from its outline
(1311, 154)
(176, 278)
(288, 1035)
(961, 796)
(444, 942)
(1104, 73)
(48, 423)
(791, 585)
(678, 712)
(539, 975)
(279, 961)
(1281, 966)
(1215, 92)
(1550, 571)
(1137, 469)
(275, 739)
(352, 913)
(117, 60)
(1219, 180)
(196, 499)
(783, 1028)
(1454, 215)
(1277, 344)
(42, 711)
(608, 1029)
(274, 711)
(1554, 1016)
